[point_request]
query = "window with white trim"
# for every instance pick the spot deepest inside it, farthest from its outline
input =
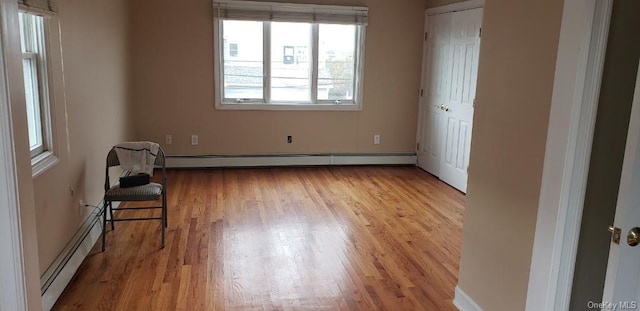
(288, 56)
(34, 65)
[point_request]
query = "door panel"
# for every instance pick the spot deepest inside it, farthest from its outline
(465, 48)
(435, 87)
(470, 52)
(435, 123)
(456, 145)
(449, 145)
(461, 159)
(438, 84)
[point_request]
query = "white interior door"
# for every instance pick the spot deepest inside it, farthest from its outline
(435, 77)
(622, 284)
(461, 93)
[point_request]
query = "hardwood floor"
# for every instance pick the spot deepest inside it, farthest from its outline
(328, 238)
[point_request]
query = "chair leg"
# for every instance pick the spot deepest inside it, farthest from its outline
(111, 215)
(164, 209)
(163, 234)
(104, 225)
(164, 218)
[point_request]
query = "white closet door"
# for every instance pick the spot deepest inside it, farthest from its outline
(436, 74)
(461, 93)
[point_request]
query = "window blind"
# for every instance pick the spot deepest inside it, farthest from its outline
(288, 12)
(39, 7)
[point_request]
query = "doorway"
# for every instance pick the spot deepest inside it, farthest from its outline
(612, 121)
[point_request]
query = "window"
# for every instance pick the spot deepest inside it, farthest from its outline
(32, 39)
(277, 56)
(33, 42)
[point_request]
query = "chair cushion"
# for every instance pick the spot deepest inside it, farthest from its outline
(149, 192)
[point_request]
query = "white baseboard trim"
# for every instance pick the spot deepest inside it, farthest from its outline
(291, 160)
(463, 302)
(57, 277)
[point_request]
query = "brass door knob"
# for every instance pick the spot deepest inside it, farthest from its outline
(633, 237)
(446, 108)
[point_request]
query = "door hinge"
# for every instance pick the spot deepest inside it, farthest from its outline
(421, 92)
(480, 33)
(467, 169)
(474, 103)
(426, 36)
(418, 146)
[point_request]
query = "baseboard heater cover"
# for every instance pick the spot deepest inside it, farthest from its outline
(61, 271)
(214, 161)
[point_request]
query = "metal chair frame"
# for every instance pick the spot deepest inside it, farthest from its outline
(112, 160)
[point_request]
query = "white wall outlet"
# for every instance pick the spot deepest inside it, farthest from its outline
(194, 140)
(168, 139)
(376, 139)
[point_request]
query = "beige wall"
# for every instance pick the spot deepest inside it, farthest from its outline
(171, 49)
(515, 81)
(94, 45)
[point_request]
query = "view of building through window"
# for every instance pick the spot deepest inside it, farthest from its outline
(290, 66)
(336, 55)
(291, 61)
(243, 69)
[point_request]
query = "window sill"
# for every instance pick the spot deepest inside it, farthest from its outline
(42, 162)
(285, 107)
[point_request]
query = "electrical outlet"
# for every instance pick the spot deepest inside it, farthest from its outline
(168, 139)
(194, 140)
(289, 139)
(376, 139)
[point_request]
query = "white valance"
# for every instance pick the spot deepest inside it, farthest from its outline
(288, 12)
(40, 7)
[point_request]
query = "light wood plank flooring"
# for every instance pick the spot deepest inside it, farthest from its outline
(328, 238)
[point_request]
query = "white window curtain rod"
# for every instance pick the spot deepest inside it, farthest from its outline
(39, 7)
(289, 12)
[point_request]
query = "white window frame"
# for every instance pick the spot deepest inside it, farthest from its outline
(294, 13)
(42, 157)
